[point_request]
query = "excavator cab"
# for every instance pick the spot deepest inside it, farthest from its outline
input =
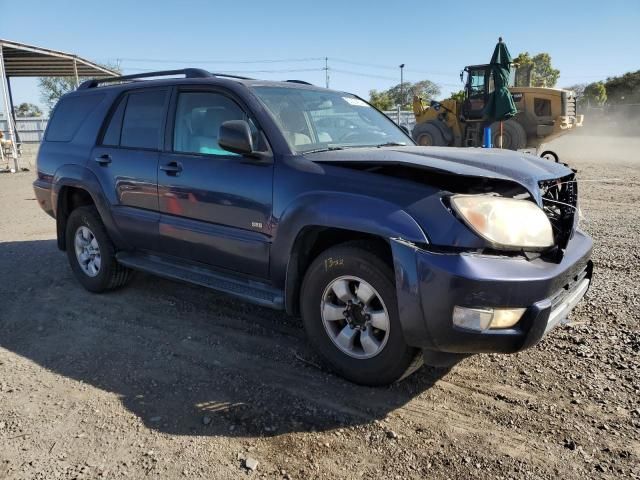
(477, 88)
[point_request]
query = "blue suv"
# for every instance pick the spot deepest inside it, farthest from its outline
(312, 201)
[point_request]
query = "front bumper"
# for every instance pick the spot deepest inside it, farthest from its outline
(430, 284)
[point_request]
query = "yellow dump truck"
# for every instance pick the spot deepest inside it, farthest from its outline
(543, 114)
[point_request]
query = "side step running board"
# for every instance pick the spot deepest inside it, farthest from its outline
(250, 290)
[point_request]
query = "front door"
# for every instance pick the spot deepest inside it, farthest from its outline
(215, 206)
(125, 162)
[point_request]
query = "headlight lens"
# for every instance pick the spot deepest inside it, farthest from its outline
(505, 222)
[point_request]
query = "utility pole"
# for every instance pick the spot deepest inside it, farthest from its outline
(401, 84)
(326, 71)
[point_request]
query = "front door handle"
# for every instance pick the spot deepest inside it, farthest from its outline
(171, 168)
(103, 159)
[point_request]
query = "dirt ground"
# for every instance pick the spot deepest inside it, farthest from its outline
(167, 380)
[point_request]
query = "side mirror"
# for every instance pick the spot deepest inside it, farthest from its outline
(435, 105)
(235, 136)
(405, 129)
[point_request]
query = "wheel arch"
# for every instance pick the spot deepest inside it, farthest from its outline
(76, 186)
(320, 221)
(311, 242)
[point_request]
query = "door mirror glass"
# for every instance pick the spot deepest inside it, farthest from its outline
(235, 137)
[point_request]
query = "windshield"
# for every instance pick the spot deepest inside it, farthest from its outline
(314, 120)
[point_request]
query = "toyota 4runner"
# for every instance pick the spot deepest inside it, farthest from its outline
(312, 201)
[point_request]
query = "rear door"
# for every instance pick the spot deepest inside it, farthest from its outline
(126, 163)
(215, 205)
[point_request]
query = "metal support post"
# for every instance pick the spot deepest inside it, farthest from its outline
(8, 110)
(75, 71)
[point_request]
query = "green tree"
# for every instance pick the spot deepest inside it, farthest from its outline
(425, 89)
(458, 96)
(535, 71)
(52, 88)
(624, 89)
(380, 100)
(595, 94)
(28, 110)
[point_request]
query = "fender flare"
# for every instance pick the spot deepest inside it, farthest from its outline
(78, 176)
(345, 211)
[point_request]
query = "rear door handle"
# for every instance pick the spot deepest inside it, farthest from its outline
(103, 159)
(171, 168)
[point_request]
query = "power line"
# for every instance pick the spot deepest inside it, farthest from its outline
(386, 67)
(279, 60)
(304, 70)
(360, 74)
(316, 59)
(228, 62)
(383, 77)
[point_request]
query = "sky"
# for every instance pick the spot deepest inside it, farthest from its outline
(364, 41)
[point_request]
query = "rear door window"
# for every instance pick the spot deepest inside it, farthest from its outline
(143, 119)
(69, 115)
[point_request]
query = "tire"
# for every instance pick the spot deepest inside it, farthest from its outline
(428, 135)
(513, 135)
(109, 274)
(394, 359)
(549, 155)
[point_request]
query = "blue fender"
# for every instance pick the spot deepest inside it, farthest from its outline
(353, 212)
(70, 175)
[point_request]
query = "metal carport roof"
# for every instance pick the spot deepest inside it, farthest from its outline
(22, 60)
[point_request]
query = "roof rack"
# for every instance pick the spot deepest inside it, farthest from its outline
(187, 72)
(302, 82)
(227, 75)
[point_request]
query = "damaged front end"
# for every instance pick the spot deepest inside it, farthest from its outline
(556, 197)
(560, 203)
(486, 280)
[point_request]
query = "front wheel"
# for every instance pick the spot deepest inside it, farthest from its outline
(349, 310)
(514, 136)
(428, 135)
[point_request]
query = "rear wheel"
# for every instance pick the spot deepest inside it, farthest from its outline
(91, 253)
(427, 135)
(514, 136)
(349, 310)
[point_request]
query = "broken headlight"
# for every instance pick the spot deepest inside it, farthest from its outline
(505, 222)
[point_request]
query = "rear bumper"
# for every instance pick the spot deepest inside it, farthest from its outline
(430, 285)
(42, 191)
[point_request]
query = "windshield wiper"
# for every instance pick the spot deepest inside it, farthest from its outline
(325, 149)
(392, 144)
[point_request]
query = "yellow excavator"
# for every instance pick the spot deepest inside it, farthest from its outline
(543, 114)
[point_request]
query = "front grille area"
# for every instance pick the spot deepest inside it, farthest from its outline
(560, 203)
(566, 289)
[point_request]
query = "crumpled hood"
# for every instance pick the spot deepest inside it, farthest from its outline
(522, 168)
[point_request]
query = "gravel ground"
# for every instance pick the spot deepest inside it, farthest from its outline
(168, 380)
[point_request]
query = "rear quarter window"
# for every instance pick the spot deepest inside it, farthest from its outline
(112, 133)
(69, 115)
